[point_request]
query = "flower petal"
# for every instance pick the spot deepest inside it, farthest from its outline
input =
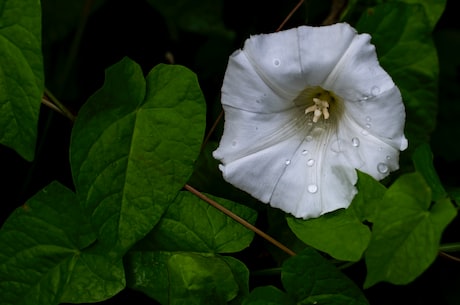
(290, 60)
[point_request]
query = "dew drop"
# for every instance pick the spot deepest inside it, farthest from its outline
(276, 62)
(312, 188)
(258, 101)
(388, 157)
(382, 168)
(364, 132)
(304, 152)
(365, 98)
(311, 162)
(287, 162)
(368, 126)
(309, 138)
(375, 90)
(355, 142)
(368, 119)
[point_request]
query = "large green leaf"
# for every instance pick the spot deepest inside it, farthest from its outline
(406, 232)
(133, 148)
(21, 74)
(342, 234)
(308, 278)
(186, 277)
(433, 9)
(43, 260)
(190, 224)
(311, 279)
(402, 35)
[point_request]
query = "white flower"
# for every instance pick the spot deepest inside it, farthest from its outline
(303, 109)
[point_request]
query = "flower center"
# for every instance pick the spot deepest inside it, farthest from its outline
(320, 102)
(321, 107)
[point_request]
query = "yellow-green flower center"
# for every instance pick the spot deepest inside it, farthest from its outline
(320, 103)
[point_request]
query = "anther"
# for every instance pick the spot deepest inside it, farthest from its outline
(319, 108)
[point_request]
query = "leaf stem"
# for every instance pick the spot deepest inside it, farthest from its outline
(451, 247)
(239, 220)
(57, 104)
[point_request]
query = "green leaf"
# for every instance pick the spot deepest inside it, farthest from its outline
(42, 254)
(268, 295)
(406, 232)
(433, 9)
(370, 192)
(133, 148)
(341, 233)
(95, 277)
(311, 279)
(402, 35)
(423, 161)
(191, 224)
(241, 275)
(185, 278)
(21, 74)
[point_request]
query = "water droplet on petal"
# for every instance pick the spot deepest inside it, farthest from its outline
(388, 157)
(375, 90)
(355, 142)
(312, 188)
(304, 152)
(368, 126)
(368, 119)
(287, 162)
(310, 162)
(382, 168)
(276, 62)
(258, 101)
(309, 138)
(364, 132)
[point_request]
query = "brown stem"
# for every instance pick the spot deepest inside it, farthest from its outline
(448, 256)
(239, 219)
(337, 8)
(289, 15)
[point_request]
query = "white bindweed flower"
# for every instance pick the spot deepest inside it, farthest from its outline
(303, 109)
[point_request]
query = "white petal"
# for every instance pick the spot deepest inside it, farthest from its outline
(248, 132)
(291, 60)
(258, 173)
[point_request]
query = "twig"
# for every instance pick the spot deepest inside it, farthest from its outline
(451, 257)
(57, 104)
(337, 8)
(289, 15)
(211, 130)
(239, 219)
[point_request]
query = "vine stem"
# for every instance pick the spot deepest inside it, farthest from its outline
(56, 105)
(239, 220)
(289, 15)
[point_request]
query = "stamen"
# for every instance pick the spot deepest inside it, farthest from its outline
(321, 107)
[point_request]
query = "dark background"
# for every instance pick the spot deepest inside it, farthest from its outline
(121, 28)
